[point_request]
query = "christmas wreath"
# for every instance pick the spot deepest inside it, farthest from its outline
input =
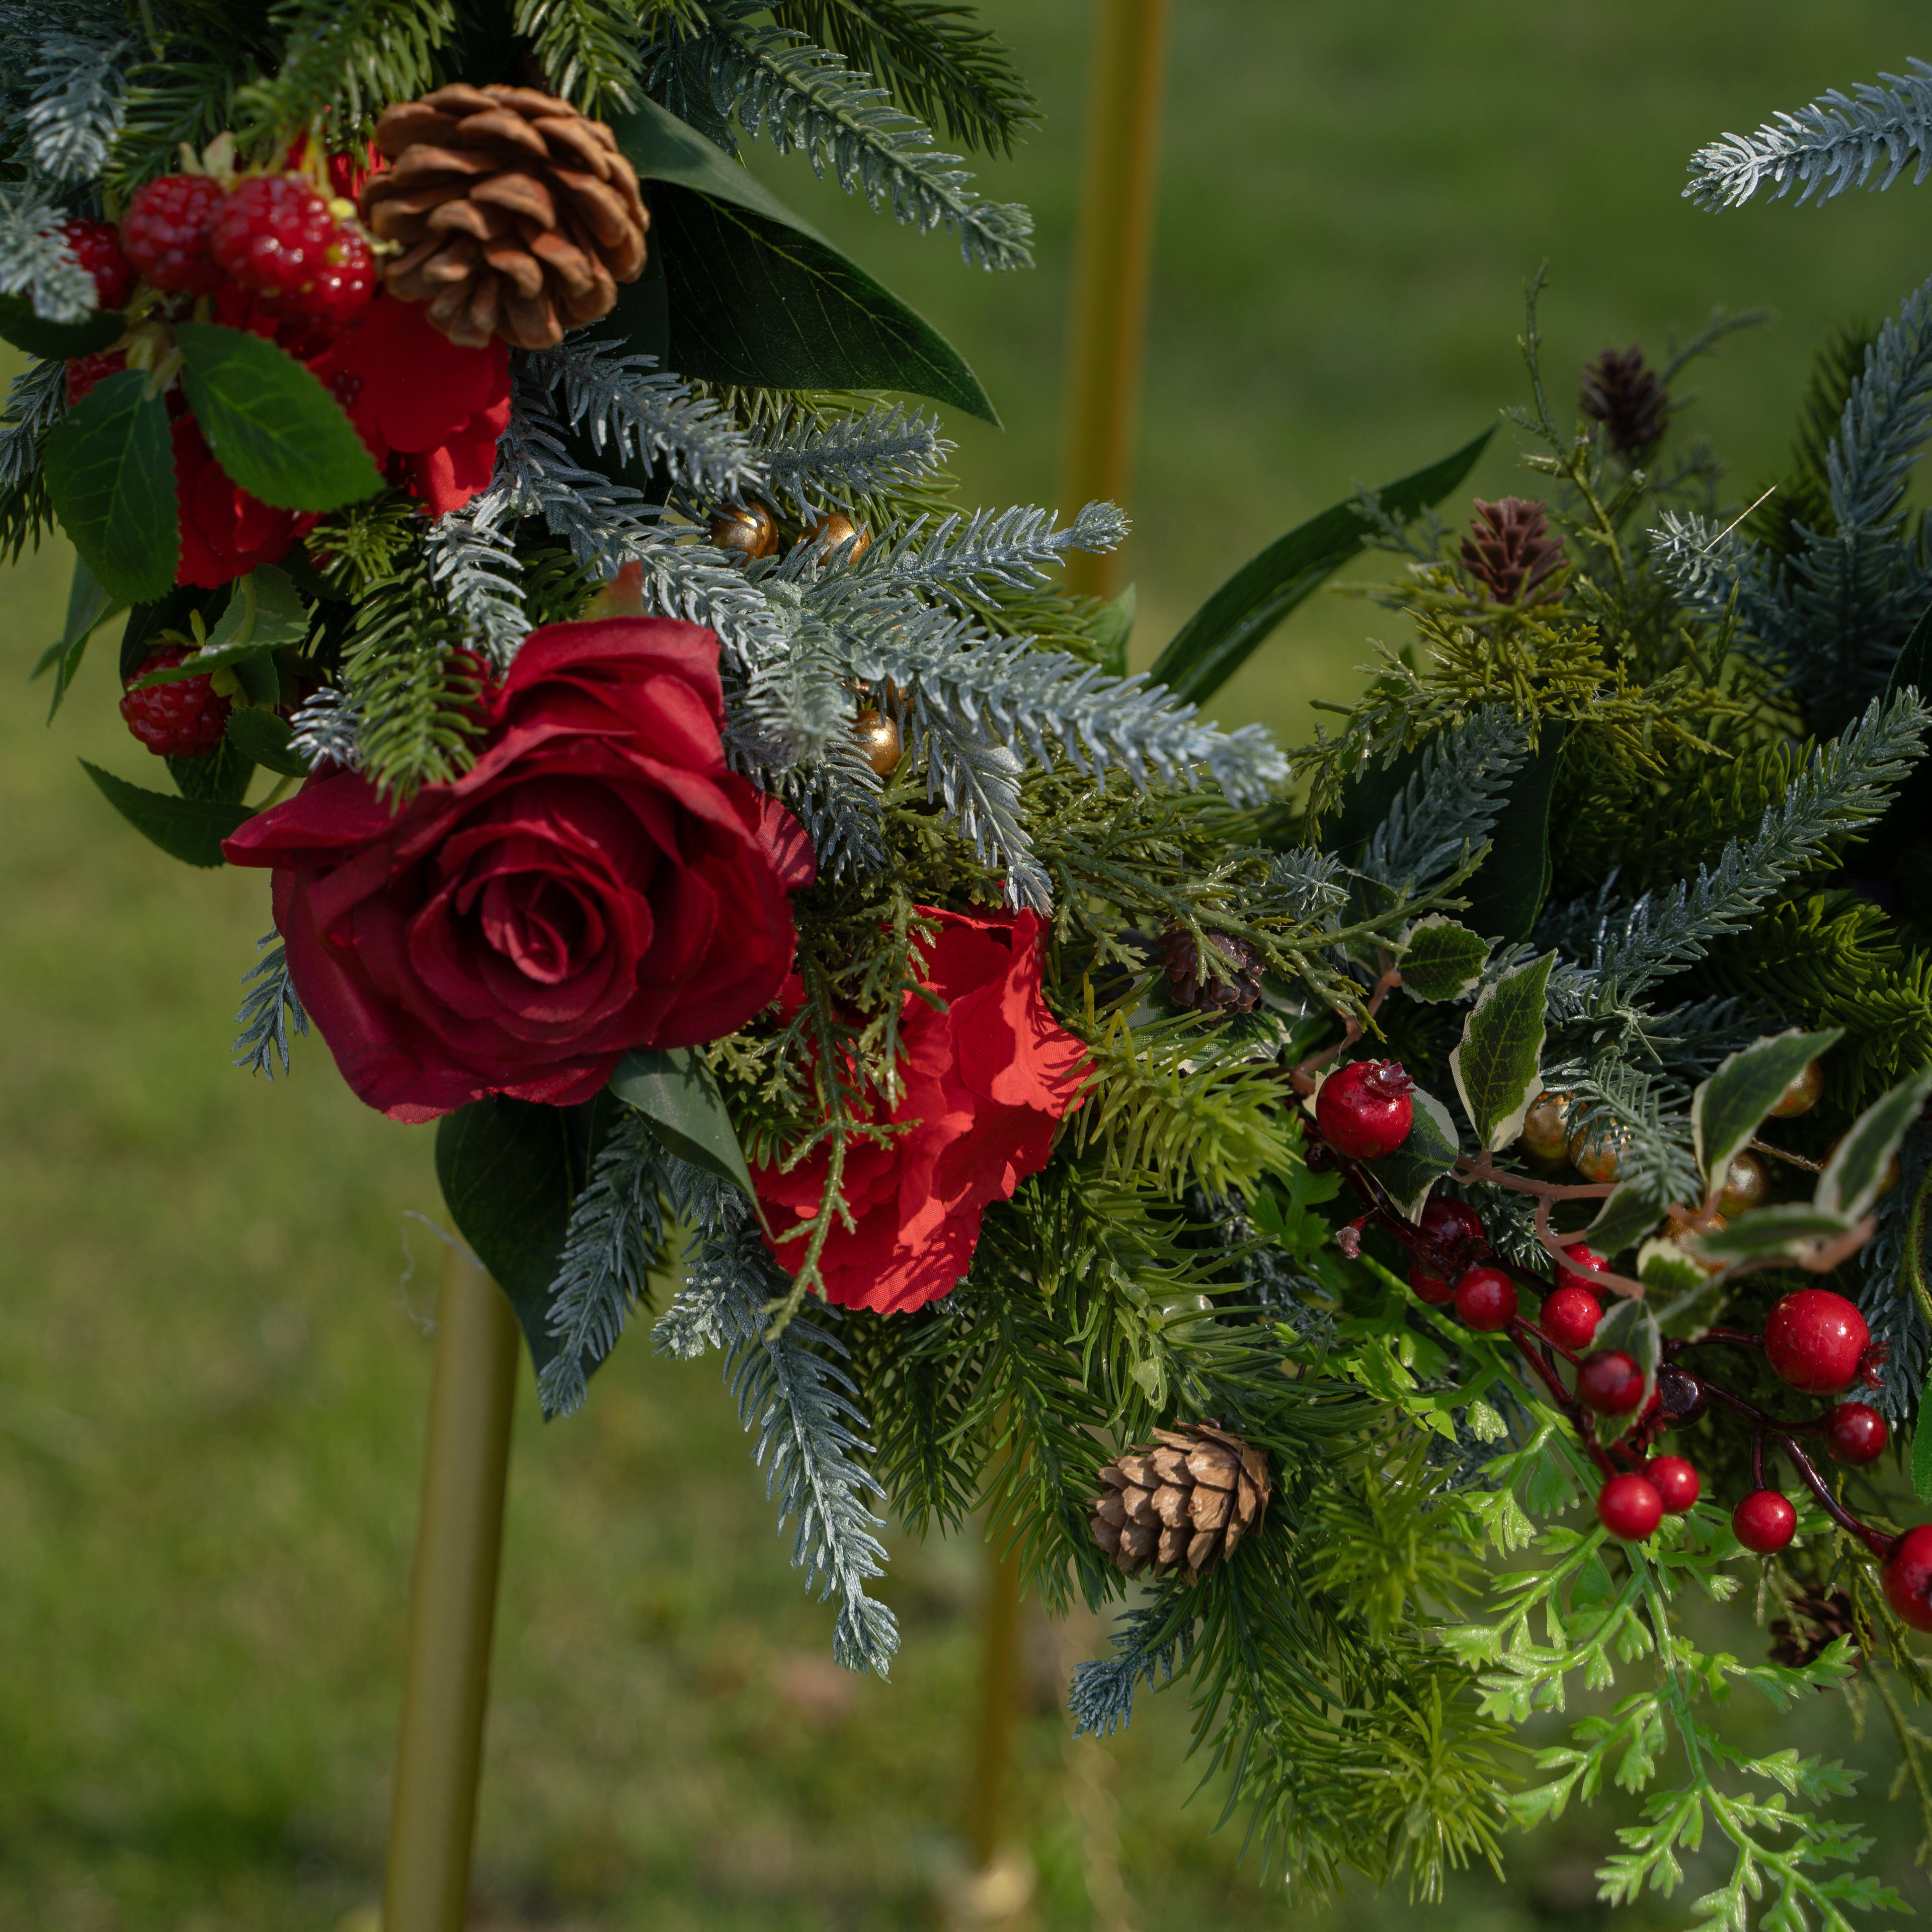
(1282, 1184)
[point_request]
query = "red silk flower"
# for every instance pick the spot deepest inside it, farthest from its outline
(225, 532)
(986, 1078)
(597, 881)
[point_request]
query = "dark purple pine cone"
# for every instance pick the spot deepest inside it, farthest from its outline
(1815, 1622)
(1232, 983)
(1509, 549)
(1626, 398)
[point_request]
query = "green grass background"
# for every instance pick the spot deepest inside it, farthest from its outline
(213, 1358)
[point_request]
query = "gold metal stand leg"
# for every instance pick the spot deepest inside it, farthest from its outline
(452, 1604)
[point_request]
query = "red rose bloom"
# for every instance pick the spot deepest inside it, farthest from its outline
(597, 881)
(986, 1079)
(225, 532)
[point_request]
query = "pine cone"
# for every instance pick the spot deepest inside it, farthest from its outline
(1626, 398)
(1232, 983)
(1815, 1622)
(1183, 1504)
(518, 215)
(1509, 549)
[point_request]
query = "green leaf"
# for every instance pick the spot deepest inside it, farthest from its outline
(1855, 1171)
(190, 830)
(88, 607)
(1922, 1448)
(58, 341)
(1508, 888)
(675, 1091)
(223, 775)
(1783, 1226)
(1429, 1152)
(1911, 805)
(758, 297)
(272, 426)
(1627, 1216)
(265, 613)
(1727, 1109)
(1497, 1061)
(110, 471)
(1220, 637)
(1113, 628)
(1442, 960)
(1629, 1326)
(510, 1170)
(265, 738)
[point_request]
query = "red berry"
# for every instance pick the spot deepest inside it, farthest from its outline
(1430, 1288)
(1629, 1506)
(1682, 1397)
(1907, 1577)
(274, 234)
(1444, 1220)
(1855, 1433)
(1814, 1339)
(345, 285)
(97, 248)
(1585, 1261)
(1764, 1522)
(165, 233)
(84, 371)
(1569, 1317)
(1485, 1300)
(180, 720)
(1612, 1383)
(1675, 1481)
(1364, 1110)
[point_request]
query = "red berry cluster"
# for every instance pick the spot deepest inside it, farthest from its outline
(179, 720)
(1816, 1342)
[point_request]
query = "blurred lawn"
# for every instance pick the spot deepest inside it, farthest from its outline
(212, 1357)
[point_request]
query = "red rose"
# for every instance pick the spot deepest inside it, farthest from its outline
(986, 1079)
(225, 532)
(597, 881)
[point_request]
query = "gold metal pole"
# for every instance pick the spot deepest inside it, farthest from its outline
(452, 1604)
(1113, 254)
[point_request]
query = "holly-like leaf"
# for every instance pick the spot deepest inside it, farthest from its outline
(1442, 960)
(88, 607)
(1686, 1293)
(1855, 1171)
(1428, 1153)
(675, 1091)
(1626, 1216)
(272, 426)
(1784, 1227)
(266, 738)
(1727, 1109)
(1498, 1060)
(110, 472)
(1220, 637)
(265, 613)
(1630, 1326)
(190, 830)
(58, 341)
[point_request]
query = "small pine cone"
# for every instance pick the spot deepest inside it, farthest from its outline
(1626, 398)
(1182, 1504)
(1509, 549)
(1232, 982)
(518, 215)
(1815, 1622)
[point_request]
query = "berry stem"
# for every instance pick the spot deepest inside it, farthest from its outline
(1765, 1429)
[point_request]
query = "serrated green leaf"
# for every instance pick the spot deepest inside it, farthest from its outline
(270, 424)
(265, 613)
(88, 607)
(1442, 960)
(190, 830)
(266, 738)
(58, 341)
(677, 1093)
(110, 472)
(1727, 1109)
(1664, 1268)
(1856, 1170)
(1428, 1153)
(1497, 1062)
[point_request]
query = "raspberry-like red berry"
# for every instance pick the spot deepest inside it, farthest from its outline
(1612, 1383)
(346, 284)
(1675, 1481)
(97, 248)
(1485, 1300)
(1584, 1261)
(84, 371)
(1855, 1433)
(1907, 1577)
(1365, 1110)
(1814, 1339)
(274, 234)
(180, 720)
(1430, 1288)
(165, 233)
(1764, 1522)
(1569, 1317)
(1630, 1507)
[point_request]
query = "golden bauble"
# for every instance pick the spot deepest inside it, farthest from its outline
(831, 533)
(749, 529)
(878, 737)
(1747, 1184)
(1596, 1153)
(1806, 1089)
(1544, 1140)
(1678, 1230)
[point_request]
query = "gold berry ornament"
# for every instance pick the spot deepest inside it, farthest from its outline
(831, 534)
(1596, 1153)
(878, 736)
(1181, 1503)
(517, 215)
(749, 529)
(1806, 1089)
(1747, 1184)
(1544, 1137)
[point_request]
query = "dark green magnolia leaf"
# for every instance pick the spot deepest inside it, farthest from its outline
(188, 829)
(1429, 1153)
(676, 1092)
(272, 426)
(1442, 960)
(111, 473)
(265, 614)
(58, 341)
(1218, 639)
(1497, 1061)
(1626, 1216)
(1630, 1326)
(510, 1170)
(1855, 1171)
(88, 607)
(263, 737)
(1727, 1109)
(1510, 885)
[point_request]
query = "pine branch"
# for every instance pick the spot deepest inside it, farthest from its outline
(811, 463)
(475, 566)
(963, 558)
(1896, 1313)
(587, 49)
(835, 798)
(76, 109)
(35, 260)
(35, 398)
(342, 61)
(188, 94)
(1835, 144)
(328, 729)
(268, 1010)
(1151, 1641)
(1450, 804)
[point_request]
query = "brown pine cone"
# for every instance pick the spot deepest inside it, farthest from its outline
(1231, 981)
(517, 216)
(1182, 1504)
(1626, 398)
(1815, 1623)
(1509, 549)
